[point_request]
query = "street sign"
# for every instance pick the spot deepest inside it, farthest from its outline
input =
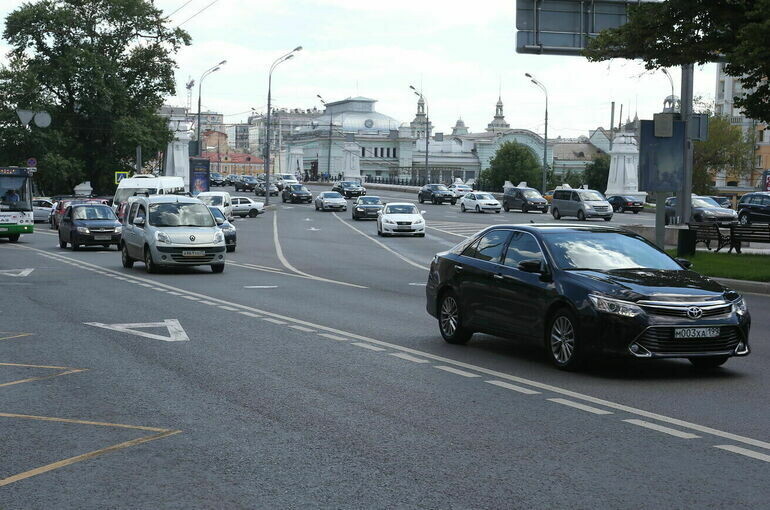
(119, 176)
(32, 162)
(699, 127)
(25, 116)
(664, 125)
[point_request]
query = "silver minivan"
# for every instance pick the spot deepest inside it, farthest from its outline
(170, 230)
(581, 203)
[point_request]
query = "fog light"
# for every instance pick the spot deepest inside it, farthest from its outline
(221, 257)
(163, 257)
(634, 348)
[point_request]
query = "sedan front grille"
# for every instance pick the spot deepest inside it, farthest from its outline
(660, 340)
(101, 230)
(715, 311)
(403, 223)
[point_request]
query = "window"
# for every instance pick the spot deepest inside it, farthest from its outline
(523, 246)
(765, 200)
(471, 196)
(394, 152)
(140, 213)
(387, 152)
(363, 152)
(491, 246)
(132, 214)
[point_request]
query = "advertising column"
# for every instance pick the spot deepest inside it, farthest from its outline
(200, 172)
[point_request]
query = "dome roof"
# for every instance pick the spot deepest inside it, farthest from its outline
(460, 123)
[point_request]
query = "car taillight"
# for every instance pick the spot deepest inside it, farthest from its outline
(630, 203)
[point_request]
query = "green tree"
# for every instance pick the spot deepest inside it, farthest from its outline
(513, 162)
(574, 179)
(677, 32)
(726, 149)
(101, 68)
(597, 172)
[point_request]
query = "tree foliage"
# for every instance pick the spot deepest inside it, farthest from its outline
(597, 172)
(726, 150)
(101, 68)
(677, 32)
(513, 162)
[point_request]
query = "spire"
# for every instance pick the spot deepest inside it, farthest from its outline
(418, 125)
(499, 121)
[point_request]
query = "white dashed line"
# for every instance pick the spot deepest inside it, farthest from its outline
(303, 328)
(408, 357)
(368, 346)
(661, 428)
(191, 298)
(228, 308)
(210, 303)
(249, 314)
(457, 371)
(578, 405)
(334, 337)
(744, 451)
(274, 321)
(513, 387)
(174, 293)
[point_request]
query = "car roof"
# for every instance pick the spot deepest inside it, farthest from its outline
(400, 203)
(560, 228)
(165, 199)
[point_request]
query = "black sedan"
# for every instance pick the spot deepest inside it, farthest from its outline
(260, 189)
(584, 291)
(367, 208)
(296, 193)
(216, 179)
(621, 204)
(246, 183)
(89, 225)
(437, 194)
(349, 189)
(228, 229)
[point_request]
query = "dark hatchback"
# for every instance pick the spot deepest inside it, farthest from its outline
(754, 208)
(367, 207)
(246, 183)
(436, 194)
(89, 225)
(349, 189)
(260, 189)
(524, 199)
(621, 204)
(584, 292)
(296, 193)
(228, 229)
(216, 179)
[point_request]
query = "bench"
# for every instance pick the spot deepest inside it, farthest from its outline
(749, 234)
(707, 232)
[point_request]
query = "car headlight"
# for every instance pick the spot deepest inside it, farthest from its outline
(614, 306)
(708, 213)
(589, 206)
(359, 209)
(162, 237)
(219, 237)
(390, 222)
(119, 229)
(417, 221)
(83, 230)
(739, 306)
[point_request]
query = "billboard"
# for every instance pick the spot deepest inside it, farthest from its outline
(661, 159)
(199, 175)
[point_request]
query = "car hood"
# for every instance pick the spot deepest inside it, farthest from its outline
(536, 200)
(402, 217)
(441, 192)
(369, 206)
(97, 223)
(635, 284)
(300, 193)
(181, 235)
(716, 211)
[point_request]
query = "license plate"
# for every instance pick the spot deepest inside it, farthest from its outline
(193, 253)
(102, 238)
(403, 230)
(696, 332)
(3, 229)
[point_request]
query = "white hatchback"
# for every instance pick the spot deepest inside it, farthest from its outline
(479, 202)
(400, 218)
(244, 206)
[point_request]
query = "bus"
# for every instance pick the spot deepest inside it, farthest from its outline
(16, 215)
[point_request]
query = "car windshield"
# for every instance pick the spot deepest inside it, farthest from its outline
(605, 251)
(180, 215)
(211, 199)
(122, 194)
(531, 193)
(298, 187)
(287, 177)
(93, 212)
(484, 196)
(349, 184)
(218, 214)
(704, 202)
(590, 196)
(370, 201)
(462, 187)
(332, 194)
(401, 209)
(439, 187)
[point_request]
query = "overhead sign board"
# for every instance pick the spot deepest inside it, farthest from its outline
(119, 176)
(564, 27)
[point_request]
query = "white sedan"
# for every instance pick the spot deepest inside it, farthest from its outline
(400, 218)
(460, 190)
(244, 206)
(479, 202)
(330, 200)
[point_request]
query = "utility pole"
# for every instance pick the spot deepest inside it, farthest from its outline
(684, 202)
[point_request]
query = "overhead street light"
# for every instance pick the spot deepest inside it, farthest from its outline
(545, 140)
(207, 72)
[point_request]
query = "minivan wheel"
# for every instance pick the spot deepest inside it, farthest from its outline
(127, 261)
(149, 264)
(524, 208)
(581, 216)
(562, 341)
(505, 207)
(708, 362)
(556, 214)
(450, 321)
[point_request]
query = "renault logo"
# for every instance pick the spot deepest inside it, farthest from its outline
(694, 312)
(192, 238)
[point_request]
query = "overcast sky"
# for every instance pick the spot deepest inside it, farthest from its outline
(460, 53)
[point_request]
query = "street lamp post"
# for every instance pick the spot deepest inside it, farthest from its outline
(329, 157)
(200, 86)
(545, 141)
(427, 126)
(275, 64)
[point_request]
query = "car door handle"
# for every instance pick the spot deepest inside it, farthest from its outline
(497, 276)
(458, 267)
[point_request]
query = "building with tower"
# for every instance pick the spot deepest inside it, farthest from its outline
(498, 122)
(420, 121)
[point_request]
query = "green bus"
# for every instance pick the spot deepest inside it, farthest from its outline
(16, 216)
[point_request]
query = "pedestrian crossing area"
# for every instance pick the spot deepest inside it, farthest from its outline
(455, 228)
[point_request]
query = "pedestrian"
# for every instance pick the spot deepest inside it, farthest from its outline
(12, 196)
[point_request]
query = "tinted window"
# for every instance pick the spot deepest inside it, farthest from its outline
(491, 246)
(523, 246)
(132, 214)
(401, 209)
(561, 195)
(574, 196)
(370, 201)
(217, 214)
(605, 251)
(765, 200)
(747, 199)
(101, 212)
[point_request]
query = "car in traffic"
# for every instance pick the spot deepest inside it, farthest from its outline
(246, 183)
(548, 195)
(41, 209)
(366, 207)
(703, 210)
(260, 189)
(400, 218)
(621, 204)
(349, 189)
(220, 199)
(216, 179)
(296, 193)
(479, 202)
(330, 201)
(583, 292)
(581, 203)
(283, 180)
(436, 194)
(89, 224)
(231, 179)
(754, 208)
(725, 202)
(459, 190)
(171, 231)
(244, 206)
(228, 229)
(524, 199)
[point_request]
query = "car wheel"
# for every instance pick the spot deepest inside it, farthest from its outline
(62, 243)
(75, 247)
(608, 218)
(562, 341)
(149, 264)
(127, 261)
(453, 201)
(422, 234)
(283, 199)
(420, 199)
(524, 208)
(506, 208)
(217, 268)
(316, 207)
(555, 213)
(744, 219)
(621, 210)
(462, 207)
(230, 249)
(544, 211)
(709, 362)
(478, 209)
(433, 201)
(450, 320)
(379, 230)
(581, 216)
(636, 212)
(106, 246)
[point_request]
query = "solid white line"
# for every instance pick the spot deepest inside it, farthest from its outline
(228, 308)
(191, 298)
(210, 303)
(302, 328)
(578, 405)
(408, 357)
(381, 245)
(456, 371)
(445, 231)
(274, 321)
(334, 337)
(368, 346)
(260, 286)
(661, 428)
(249, 314)
(513, 387)
(743, 451)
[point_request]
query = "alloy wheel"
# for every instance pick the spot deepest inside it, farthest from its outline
(562, 340)
(450, 316)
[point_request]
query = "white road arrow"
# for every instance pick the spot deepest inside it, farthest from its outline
(175, 331)
(16, 273)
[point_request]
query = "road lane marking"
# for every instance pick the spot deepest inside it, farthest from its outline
(260, 286)
(274, 321)
(249, 314)
(191, 298)
(228, 308)
(176, 332)
(744, 451)
(16, 273)
(578, 405)
(368, 346)
(661, 428)
(334, 337)
(408, 357)
(210, 303)
(457, 371)
(15, 336)
(82, 422)
(302, 328)
(417, 284)
(513, 387)
(381, 245)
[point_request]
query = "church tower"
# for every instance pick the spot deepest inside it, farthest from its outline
(419, 122)
(460, 128)
(498, 123)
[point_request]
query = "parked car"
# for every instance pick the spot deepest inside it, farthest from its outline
(754, 208)
(231, 179)
(246, 183)
(524, 199)
(244, 206)
(581, 203)
(725, 202)
(703, 209)
(89, 224)
(400, 218)
(296, 193)
(260, 189)
(367, 207)
(41, 209)
(171, 231)
(216, 179)
(479, 202)
(220, 199)
(436, 193)
(583, 292)
(621, 204)
(330, 200)
(228, 229)
(349, 189)
(459, 190)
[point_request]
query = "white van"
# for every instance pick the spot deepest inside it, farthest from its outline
(147, 184)
(219, 199)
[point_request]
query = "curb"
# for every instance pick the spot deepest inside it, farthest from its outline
(745, 285)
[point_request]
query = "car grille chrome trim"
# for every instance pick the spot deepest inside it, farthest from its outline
(659, 340)
(710, 310)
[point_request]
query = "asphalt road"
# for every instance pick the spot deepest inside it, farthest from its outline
(308, 374)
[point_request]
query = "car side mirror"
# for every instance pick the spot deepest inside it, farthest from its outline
(531, 266)
(219, 221)
(686, 264)
(423, 212)
(139, 222)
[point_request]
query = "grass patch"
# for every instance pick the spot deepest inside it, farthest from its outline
(729, 265)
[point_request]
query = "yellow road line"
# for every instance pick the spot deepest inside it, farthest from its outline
(35, 366)
(43, 377)
(81, 422)
(16, 336)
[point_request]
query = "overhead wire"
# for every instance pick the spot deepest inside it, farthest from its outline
(197, 13)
